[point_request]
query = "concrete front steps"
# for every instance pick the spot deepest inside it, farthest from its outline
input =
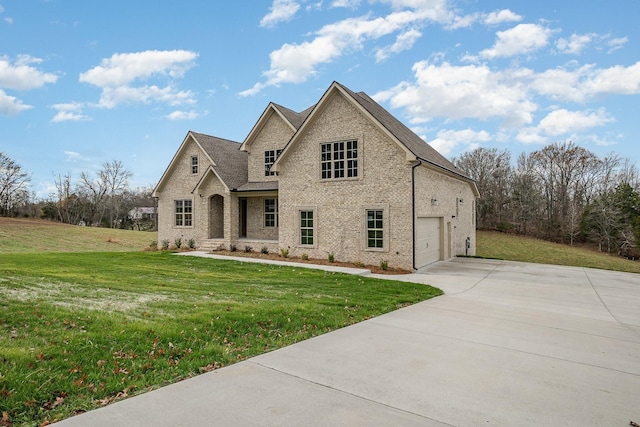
(211, 245)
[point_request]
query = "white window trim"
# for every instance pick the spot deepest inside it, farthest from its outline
(385, 227)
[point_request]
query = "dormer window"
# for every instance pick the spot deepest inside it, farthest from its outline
(194, 164)
(270, 156)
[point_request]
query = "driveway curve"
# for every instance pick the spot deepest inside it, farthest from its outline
(508, 344)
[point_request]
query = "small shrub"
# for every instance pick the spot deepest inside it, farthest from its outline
(165, 244)
(233, 248)
(384, 264)
(304, 256)
(331, 257)
(264, 250)
(358, 264)
(153, 244)
(191, 243)
(284, 253)
(178, 242)
(248, 248)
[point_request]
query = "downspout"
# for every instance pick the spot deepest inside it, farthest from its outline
(413, 211)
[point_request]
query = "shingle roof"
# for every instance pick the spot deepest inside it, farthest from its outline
(231, 164)
(406, 136)
(296, 119)
(259, 186)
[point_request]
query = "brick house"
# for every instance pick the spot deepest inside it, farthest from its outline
(343, 177)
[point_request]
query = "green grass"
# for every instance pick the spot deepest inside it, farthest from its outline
(79, 330)
(29, 235)
(492, 244)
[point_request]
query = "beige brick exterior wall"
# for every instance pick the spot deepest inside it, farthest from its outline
(273, 136)
(178, 186)
(256, 229)
(454, 203)
(384, 181)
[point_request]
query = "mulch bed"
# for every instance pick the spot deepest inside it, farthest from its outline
(272, 256)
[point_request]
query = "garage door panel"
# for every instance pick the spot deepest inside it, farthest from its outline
(428, 241)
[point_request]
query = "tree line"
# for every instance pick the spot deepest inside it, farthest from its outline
(562, 193)
(102, 198)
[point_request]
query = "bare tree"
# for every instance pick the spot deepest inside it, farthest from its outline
(491, 169)
(116, 179)
(526, 200)
(94, 190)
(560, 168)
(68, 203)
(14, 185)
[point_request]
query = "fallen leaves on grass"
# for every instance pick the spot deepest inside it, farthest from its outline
(120, 395)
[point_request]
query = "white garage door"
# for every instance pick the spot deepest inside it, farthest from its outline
(427, 241)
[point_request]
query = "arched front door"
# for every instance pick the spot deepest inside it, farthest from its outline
(216, 217)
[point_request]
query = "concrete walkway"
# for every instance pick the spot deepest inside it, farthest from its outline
(509, 344)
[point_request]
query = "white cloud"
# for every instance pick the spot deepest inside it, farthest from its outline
(501, 16)
(521, 39)
(575, 44)
(617, 43)
(73, 156)
(587, 82)
(459, 92)
(447, 140)
(113, 96)
(530, 135)
(8, 20)
(116, 75)
(183, 115)
(403, 42)
(352, 4)
(562, 122)
(465, 21)
(295, 63)
(281, 11)
(68, 112)
(21, 75)
(10, 105)
(123, 68)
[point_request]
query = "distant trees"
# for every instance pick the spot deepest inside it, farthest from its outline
(562, 192)
(103, 198)
(14, 186)
(97, 198)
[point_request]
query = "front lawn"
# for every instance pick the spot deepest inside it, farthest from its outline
(80, 330)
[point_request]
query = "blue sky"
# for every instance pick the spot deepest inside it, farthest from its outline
(84, 82)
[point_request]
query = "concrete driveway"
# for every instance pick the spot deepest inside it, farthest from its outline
(509, 344)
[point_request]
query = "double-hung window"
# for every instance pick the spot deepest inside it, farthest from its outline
(270, 156)
(339, 159)
(194, 164)
(184, 213)
(375, 228)
(270, 212)
(306, 228)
